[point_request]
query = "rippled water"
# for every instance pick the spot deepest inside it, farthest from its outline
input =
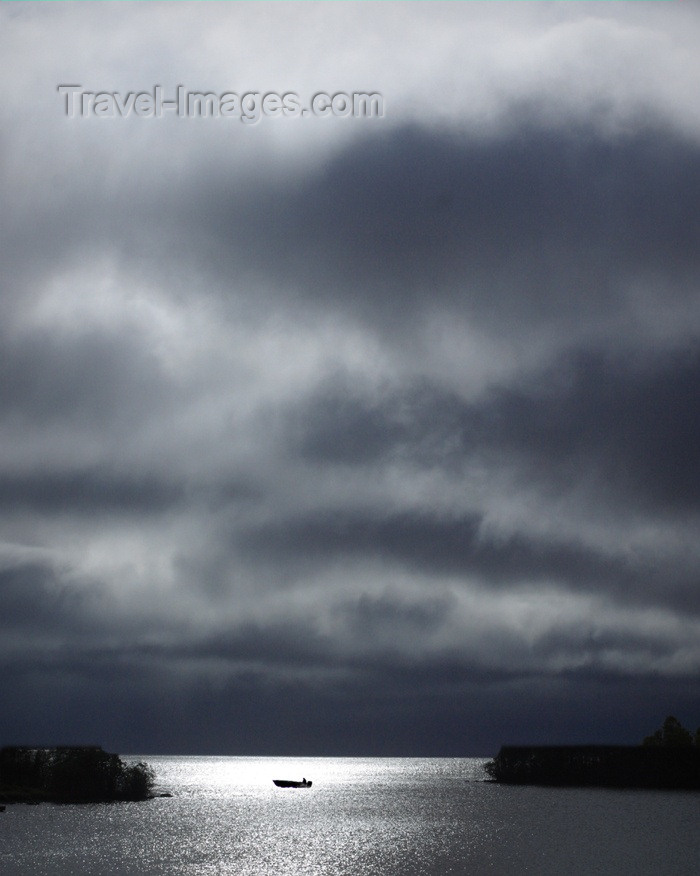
(362, 817)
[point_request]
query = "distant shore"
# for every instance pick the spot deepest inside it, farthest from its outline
(608, 766)
(66, 774)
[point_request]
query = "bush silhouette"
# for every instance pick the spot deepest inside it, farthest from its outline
(73, 775)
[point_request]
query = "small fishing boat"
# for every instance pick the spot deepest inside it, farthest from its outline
(289, 783)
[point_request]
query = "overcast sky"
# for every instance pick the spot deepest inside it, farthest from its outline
(351, 435)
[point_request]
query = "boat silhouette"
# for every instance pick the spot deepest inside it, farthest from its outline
(289, 783)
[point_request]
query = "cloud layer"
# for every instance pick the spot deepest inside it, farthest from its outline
(358, 436)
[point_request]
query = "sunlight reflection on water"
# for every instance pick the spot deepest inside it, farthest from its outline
(341, 825)
(362, 817)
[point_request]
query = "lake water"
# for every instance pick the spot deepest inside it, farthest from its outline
(362, 817)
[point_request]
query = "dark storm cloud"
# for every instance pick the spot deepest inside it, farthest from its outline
(526, 226)
(370, 615)
(292, 644)
(92, 377)
(634, 428)
(582, 640)
(485, 529)
(631, 425)
(434, 546)
(545, 223)
(627, 431)
(343, 719)
(443, 710)
(35, 599)
(523, 224)
(86, 493)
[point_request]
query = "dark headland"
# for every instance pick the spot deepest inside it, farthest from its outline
(669, 759)
(71, 774)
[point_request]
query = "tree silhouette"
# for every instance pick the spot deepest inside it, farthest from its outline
(672, 733)
(73, 775)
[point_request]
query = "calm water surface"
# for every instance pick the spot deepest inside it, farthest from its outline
(362, 817)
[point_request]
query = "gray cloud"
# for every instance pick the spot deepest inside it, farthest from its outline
(631, 426)
(396, 421)
(525, 227)
(86, 493)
